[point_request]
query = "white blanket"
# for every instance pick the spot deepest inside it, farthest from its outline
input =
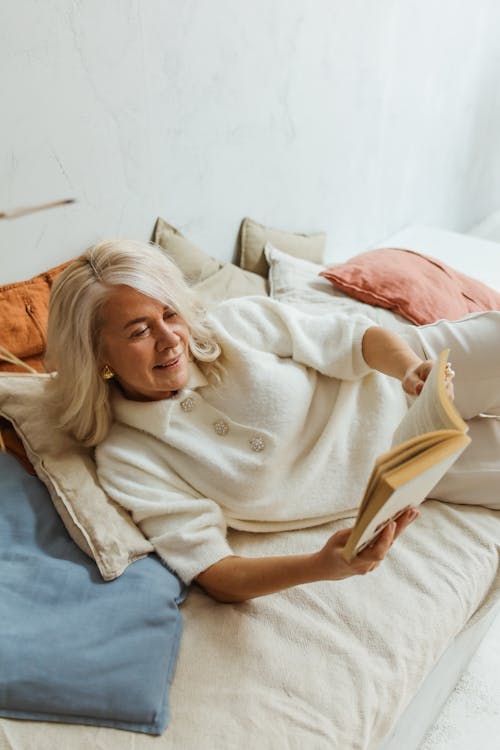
(323, 666)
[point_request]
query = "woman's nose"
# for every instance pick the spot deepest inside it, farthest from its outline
(166, 338)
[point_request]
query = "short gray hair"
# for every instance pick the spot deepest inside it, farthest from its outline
(75, 321)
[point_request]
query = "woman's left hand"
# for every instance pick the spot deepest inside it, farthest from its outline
(415, 377)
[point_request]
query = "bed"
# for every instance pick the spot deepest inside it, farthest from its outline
(363, 664)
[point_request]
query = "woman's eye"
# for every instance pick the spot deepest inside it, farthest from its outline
(138, 333)
(169, 314)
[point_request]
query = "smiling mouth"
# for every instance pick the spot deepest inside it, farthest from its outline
(167, 365)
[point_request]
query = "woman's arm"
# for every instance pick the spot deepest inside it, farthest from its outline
(236, 579)
(387, 352)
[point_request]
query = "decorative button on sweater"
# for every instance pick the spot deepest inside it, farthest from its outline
(221, 427)
(187, 404)
(257, 443)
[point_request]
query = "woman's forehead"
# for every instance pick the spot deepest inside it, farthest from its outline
(124, 303)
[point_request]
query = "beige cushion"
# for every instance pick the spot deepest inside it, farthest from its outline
(195, 264)
(101, 528)
(228, 283)
(213, 280)
(253, 238)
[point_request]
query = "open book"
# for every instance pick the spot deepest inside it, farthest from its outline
(429, 439)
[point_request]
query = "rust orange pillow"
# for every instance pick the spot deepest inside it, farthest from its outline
(420, 288)
(24, 309)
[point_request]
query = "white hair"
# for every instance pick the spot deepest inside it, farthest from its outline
(75, 321)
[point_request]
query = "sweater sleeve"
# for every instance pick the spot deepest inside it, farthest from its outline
(187, 531)
(331, 343)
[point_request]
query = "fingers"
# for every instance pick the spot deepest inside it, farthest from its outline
(405, 519)
(415, 377)
(333, 565)
(375, 552)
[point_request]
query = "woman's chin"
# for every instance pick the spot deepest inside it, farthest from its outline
(163, 385)
(172, 378)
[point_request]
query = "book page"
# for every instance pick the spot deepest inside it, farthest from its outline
(412, 492)
(402, 454)
(432, 409)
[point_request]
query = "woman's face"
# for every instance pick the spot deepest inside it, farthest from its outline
(145, 343)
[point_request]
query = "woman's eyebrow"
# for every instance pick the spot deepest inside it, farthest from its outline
(134, 321)
(142, 319)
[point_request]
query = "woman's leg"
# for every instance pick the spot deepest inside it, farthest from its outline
(474, 344)
(474, 479)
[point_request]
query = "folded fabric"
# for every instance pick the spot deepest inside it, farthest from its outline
(72, 648)
(420, 288)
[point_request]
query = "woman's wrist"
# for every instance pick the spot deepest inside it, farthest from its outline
(386, 352)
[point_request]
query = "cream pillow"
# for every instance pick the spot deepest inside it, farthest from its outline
(295, 278)
(297, 281)
(253, 238)
(100, 527)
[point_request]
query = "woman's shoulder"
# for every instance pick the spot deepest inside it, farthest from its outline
(122, 442)
(240, 310)
(119, 439)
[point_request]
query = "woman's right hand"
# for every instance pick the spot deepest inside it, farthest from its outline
(332, 565)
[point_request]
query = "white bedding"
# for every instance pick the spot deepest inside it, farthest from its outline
(324, 666)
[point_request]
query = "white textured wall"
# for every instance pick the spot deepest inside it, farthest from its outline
(351, 116)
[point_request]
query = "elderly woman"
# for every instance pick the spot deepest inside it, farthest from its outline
(256, 416)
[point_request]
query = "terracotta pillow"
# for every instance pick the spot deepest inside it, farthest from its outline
(416, 286)
(24, 309)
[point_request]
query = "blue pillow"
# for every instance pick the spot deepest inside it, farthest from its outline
(74, 648)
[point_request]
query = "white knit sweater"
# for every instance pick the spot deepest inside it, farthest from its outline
(286, 441)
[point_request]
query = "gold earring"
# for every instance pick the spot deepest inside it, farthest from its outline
(107, 373)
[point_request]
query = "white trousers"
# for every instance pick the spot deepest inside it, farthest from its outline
(474, 343)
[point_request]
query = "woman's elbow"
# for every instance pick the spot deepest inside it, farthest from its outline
(217, 582)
